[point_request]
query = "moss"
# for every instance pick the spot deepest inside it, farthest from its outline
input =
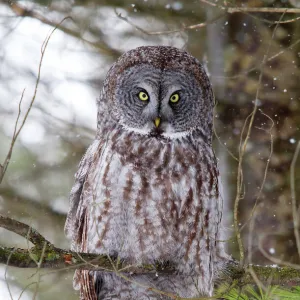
(52, 255)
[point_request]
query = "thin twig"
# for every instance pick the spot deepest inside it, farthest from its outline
(266, 169)
(249, 10)
(242, 151)
(184, 28)
(5, 274)
(256, 279)
(294, 202)
(22, 11)
(271, 10)
(16, 133)
(220, 141)
(232, 10)
(38, 271)
(24, 289)
(274, 259)
(3, 167)
(245, 73)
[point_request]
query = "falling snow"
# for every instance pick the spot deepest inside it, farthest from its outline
(292, 141)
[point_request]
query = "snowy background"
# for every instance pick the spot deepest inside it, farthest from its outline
(63, 119)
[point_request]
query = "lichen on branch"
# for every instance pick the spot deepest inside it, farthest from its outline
(56, 258)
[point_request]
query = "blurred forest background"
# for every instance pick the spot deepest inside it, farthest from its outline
(63, 120)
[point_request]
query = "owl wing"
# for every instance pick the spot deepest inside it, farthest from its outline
(221, 258)
(79, 203)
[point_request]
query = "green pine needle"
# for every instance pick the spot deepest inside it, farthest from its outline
(250, 292)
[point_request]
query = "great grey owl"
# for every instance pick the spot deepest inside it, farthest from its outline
(148, 187)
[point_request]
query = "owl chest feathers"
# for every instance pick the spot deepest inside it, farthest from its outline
(150, 197)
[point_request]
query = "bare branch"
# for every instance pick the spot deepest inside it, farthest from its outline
(229, 10)
(294, 202)
(245, 73)
(184, 28)
(242, 150)
(16, 133)
(3, 167)
(271, 10)
(249, 10)
(274, 259)
(269, 131)
(23, 230)
(22, 11)
(232, 10)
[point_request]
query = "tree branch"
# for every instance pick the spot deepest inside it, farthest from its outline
(184, 28)
(56, 258)
(22, 11)
(17, 130)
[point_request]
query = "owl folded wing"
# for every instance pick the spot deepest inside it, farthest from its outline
(77, 206)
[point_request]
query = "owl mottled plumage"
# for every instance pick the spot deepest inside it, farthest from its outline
(146, 191)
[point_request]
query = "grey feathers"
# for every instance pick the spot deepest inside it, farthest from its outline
(148, 188)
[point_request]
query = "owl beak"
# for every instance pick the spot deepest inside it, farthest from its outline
(157, 122)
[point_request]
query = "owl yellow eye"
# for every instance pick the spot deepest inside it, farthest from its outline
(143, 96)
(174, 98)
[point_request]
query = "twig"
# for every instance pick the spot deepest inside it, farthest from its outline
(271, 10)
(266, 168)
(5, 275)
(16, 133)
(255, 278)
(276, 260)
(3, 167)
(204, 24)
(220, 141)
(232, 10)
(245, 73)
(251, 218)
(242, 150)
(39, 264)
(249, 10)
(22, 11)
(25, 288)
(184, 28)
(294, 202)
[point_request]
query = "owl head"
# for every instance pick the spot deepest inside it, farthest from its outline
(159, 91)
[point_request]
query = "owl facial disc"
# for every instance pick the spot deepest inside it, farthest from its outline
(162, 97)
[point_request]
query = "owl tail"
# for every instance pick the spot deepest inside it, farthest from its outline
(84, 281)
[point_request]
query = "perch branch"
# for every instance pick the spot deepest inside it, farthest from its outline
(52, 257)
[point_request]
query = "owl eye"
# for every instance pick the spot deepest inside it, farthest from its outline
(174, 98)
(143, 96)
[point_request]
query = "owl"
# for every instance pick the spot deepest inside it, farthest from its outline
(148, 187)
